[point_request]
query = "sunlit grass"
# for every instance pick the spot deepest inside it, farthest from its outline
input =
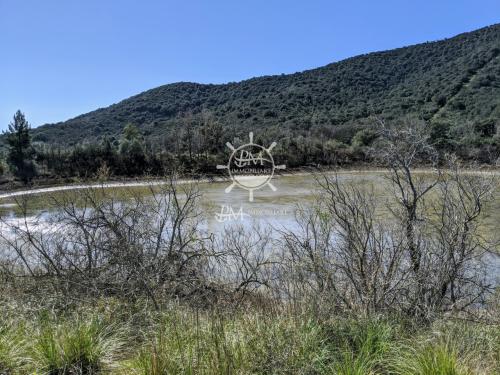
(109, 338)
(211, 344)
(13, 348)
(430, 357)
(82, 345)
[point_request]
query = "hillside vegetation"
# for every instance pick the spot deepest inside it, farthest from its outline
(328, 116)
(453, 84)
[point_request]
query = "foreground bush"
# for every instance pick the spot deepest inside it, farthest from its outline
(77, 346)
(12, 348)
(188, 343)
(431, 358)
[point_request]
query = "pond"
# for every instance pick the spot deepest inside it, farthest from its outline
(270, 206)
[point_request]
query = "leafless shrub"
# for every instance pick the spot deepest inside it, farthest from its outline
(100, 244)
(424, 260)
(342, 256)
(444, 254)
(457, 272)
(245, 264)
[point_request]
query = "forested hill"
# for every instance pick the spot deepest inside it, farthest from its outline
(453, 82)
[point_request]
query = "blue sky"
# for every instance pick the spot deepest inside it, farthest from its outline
(59, 59)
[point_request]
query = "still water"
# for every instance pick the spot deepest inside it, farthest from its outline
(274, 207)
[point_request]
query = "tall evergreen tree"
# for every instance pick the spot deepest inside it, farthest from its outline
(132, 151)
(20, 152)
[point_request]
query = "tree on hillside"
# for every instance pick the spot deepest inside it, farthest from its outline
(20, 152)
(212, 134)
(188, 135)
(132, 150)
(130, 133)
